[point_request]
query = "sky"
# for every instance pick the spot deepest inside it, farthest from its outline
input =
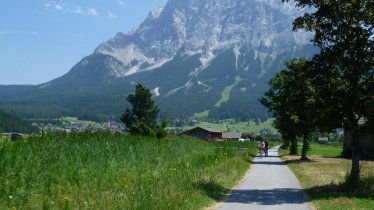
(41, 40)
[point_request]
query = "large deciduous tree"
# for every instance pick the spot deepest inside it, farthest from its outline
(344, 32)
(290, 97)
(276, 101)
(142, 118)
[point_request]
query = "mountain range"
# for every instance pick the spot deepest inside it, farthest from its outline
(199, 57)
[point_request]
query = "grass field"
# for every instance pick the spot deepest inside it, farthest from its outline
(225, 95)
(3, 137)
(105, 171)
(200, 115)
(323, 179)
(82, 122)
(235, 126)
(322, 150)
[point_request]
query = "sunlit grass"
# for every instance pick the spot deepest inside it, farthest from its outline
(323, 150)
(83, 122)
(323, 179)
(105, 171)
(203, 114)
(225, 95)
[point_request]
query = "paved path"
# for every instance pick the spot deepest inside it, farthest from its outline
(270, 184)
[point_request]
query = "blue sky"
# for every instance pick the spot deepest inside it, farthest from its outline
(41, 40)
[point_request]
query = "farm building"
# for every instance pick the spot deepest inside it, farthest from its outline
(208, 134)
(211, 134)
(366, 141)
(323, 140)
(231, 135)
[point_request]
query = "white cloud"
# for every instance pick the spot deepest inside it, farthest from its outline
(58, 7)
(76, 10)
(31, 33)
(92, 11)
(121, 2)
(71, 8)
(2, 33)
(111, 15)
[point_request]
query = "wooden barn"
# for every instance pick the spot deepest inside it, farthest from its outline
(231, 135)
(208, 134)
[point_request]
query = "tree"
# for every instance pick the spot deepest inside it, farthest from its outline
(344, 68)
(141, 120)
(275, 101)
(284, 124)
(290, 98)
(10, 123)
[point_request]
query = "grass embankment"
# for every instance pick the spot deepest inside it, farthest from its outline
(323, 178)
(105, 171)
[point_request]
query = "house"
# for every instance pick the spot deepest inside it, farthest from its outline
(323, 140)
(208, 134)
(211, 134)
(366, 141)
(231, 135)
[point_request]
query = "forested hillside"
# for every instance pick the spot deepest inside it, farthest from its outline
(10, 123)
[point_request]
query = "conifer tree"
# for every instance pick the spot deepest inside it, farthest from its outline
(142, 118)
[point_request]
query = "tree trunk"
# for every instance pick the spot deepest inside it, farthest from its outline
(305, 147)
(286, 143)
(293, 148)
(355, 171)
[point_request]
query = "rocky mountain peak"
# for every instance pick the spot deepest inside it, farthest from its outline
(204, 27)
(198, 56)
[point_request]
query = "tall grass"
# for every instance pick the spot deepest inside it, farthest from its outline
(105, 171)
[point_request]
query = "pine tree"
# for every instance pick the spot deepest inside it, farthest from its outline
(141, 119)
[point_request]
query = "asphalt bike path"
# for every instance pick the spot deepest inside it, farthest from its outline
(270, 184)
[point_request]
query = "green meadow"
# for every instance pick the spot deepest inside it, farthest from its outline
(323, 150)
(231, 125)
(107, 171)
(323, 178)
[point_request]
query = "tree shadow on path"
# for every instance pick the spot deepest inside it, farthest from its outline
(268, 197)
(269, 163)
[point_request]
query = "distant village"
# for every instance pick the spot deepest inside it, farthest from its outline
(76, 126)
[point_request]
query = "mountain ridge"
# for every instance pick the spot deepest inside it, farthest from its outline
(187, 53)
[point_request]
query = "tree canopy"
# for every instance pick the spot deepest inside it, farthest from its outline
(343, 70)
(10, 123)
(290, 97)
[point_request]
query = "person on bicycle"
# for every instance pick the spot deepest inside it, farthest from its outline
(266, 148)
(261, 146)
